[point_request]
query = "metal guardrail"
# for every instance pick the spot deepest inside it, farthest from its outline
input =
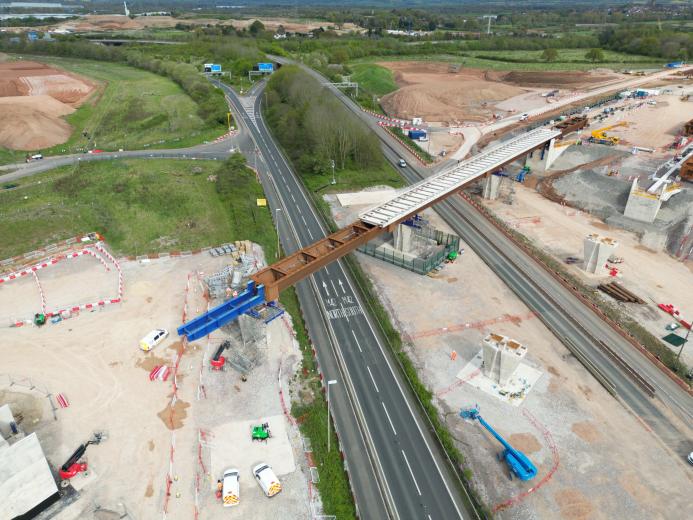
(591, 367)
(635, 376)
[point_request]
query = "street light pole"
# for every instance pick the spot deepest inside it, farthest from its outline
(334, 181)
(329, 383)
(277, 219)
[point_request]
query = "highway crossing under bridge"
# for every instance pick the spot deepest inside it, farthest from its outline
(267, 283)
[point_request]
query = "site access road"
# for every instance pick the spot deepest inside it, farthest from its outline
(396, 466)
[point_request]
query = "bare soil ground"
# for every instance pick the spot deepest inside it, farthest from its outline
(598, 442)
(429, 90)
(34, 98)
(559, 230)
(91, 23)
(94, 360)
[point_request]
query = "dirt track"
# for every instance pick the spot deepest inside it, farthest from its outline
(34, 97)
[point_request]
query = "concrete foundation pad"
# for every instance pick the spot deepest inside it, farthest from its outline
(521, 382)
(360, 198)
(232, 447)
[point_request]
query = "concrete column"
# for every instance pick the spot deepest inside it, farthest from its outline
(542, 159)
(596, 251)
(641, 205)
(491, 186)
(402, 238)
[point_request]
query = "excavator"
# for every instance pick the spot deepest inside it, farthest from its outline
(600, 136)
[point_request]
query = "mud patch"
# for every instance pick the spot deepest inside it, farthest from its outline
(150, 362)
(586, 431)
(150, 445)
(150, 490)
(177, 347)
(525, 442)
(573, 505)
(174, 417)
(27, 409)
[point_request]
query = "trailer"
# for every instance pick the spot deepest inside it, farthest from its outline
(417, 134)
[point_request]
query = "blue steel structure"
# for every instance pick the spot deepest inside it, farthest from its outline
(517, 461)
(222, 314)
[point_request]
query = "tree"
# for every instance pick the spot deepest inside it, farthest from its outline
(256, 27)
(594, 55)
(549, 55)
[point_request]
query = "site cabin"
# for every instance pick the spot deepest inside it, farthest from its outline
(231, 494)
(267, 480)
(152, 339)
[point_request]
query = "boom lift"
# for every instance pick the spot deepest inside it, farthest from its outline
(517, 461)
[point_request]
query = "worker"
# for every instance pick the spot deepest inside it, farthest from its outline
(220, 487)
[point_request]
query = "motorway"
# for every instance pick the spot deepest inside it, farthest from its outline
(669, 414)
(396, 467)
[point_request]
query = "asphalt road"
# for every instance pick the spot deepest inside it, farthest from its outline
(212, 151)
(394, 462)
(669, 415)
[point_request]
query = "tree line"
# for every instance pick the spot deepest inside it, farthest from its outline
(315, 128)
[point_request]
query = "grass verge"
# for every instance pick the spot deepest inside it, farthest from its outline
(310, 410)
(374, 79)
(410, 143)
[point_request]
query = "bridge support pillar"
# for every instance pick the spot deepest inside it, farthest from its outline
(492, 186)
(543, 158)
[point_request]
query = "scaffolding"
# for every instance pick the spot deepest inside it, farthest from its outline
(438, 246)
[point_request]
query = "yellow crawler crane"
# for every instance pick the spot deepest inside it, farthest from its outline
(600, 136)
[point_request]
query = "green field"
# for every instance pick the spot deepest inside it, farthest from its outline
(132, 109)
(374, 78)
(572, 59)
(139, 205)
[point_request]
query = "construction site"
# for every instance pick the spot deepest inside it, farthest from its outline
(541, 400)
(173, 375)
(112, 431)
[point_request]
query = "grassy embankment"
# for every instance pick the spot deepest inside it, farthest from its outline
(140, 206)
(568, 59)
(131, 109)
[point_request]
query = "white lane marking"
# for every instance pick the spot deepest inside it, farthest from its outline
(324, 286)
(292, 198)
(389, 420)
(342, 286)
(334, 288)
(309, 233)
(373, 379)
(357, 341)
(304, 221)
(412, 473)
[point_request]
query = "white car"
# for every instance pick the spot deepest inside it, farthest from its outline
(152, 339)
(690, 457)
(524, 117)
(231, 491)
(402, 163)
(267, 480)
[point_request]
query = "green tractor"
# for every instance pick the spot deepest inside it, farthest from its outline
(261, 433)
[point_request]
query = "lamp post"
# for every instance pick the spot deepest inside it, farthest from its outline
(683, 345)
(329, 383)
(277, 219)
(334, 181)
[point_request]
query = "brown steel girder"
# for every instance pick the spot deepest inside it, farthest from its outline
(287, 271)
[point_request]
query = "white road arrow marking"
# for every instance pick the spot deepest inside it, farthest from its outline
(324, 286)
(342, 286)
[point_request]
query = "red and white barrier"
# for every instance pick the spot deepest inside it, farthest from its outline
(43, 296)
(62, 400)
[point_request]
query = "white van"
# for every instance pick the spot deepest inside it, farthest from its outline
(231, 494)
(267, 479)
(152, 339)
